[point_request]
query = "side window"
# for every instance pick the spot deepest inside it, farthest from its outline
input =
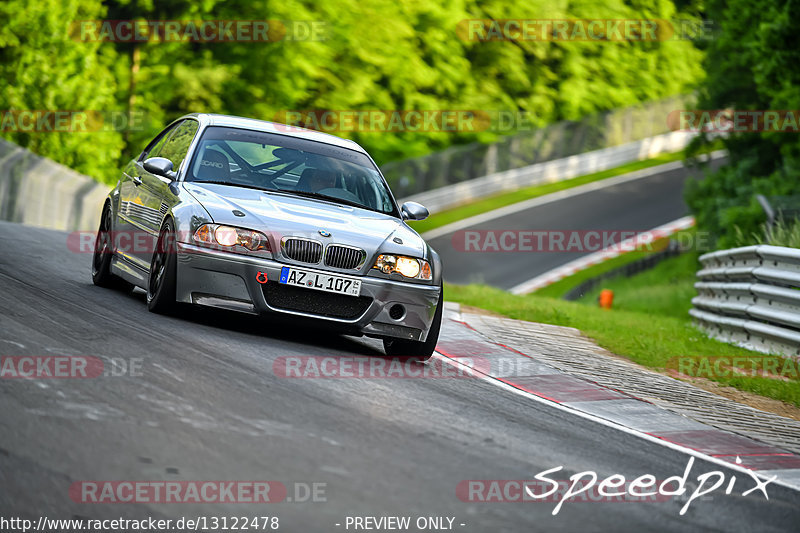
(155, 145)
(177, 145)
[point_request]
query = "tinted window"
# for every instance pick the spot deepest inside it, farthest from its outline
(276, 162)
(155, 145)
(178, 144)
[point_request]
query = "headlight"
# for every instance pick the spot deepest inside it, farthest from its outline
(229, 237)
(409, 267)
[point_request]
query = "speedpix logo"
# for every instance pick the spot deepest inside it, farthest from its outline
(588, 487)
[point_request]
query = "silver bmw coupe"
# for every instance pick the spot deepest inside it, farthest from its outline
(264, 218)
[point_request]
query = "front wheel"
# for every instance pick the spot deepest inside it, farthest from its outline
(418, 350)
(162, 285)
(103, 252)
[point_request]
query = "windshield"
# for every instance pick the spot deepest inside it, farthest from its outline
(273, 162)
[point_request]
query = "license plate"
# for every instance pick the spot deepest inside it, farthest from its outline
(320, 282)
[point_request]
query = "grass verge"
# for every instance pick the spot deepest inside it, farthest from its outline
(649, 325)
(668, 288)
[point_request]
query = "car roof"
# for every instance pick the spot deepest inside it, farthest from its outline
(213, 119)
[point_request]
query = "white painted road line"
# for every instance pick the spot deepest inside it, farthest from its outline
(764, 475)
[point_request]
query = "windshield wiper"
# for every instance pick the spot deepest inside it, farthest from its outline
(325, 197)
(232, 184)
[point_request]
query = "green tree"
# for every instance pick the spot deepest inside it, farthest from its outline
(43, 69)
(750, 66)
(374, 55)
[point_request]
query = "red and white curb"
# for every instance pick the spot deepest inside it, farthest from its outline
(615, 250)
(459, 343)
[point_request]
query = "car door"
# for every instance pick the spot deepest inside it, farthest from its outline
(155, 193)
(131, 215)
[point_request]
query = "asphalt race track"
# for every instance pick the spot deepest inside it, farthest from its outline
(205, 404)
(637, 206)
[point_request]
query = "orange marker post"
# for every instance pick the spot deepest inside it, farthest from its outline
(606, 298)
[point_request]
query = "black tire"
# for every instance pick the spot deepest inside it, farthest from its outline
(416, 350)
(103, 252)
(161, 284)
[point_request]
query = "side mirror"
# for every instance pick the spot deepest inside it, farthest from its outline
(414, 211)
(160, 166)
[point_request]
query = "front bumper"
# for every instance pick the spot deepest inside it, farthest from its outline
(228, 281)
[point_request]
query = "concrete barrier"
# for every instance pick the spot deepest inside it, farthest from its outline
(37, 191)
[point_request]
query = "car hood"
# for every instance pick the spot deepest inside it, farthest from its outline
(279, 215)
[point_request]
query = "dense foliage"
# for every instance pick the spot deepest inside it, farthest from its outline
(751, 65)
(374, 55)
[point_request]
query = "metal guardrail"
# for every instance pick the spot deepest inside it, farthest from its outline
(751, 296)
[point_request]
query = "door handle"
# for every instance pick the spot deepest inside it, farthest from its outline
(135, 179)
